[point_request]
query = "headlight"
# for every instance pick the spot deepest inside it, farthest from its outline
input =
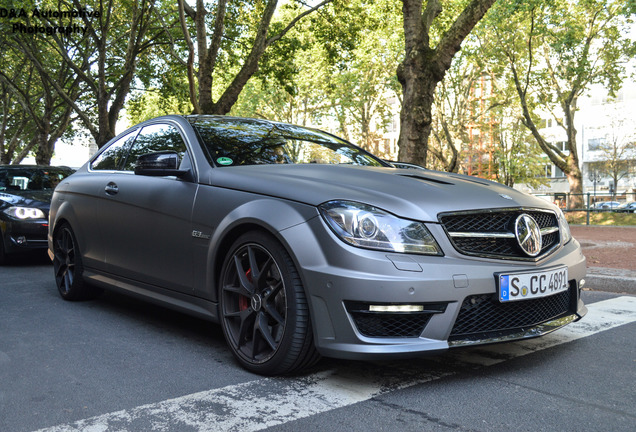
(368, 227)
(25, 213)
(564, 227)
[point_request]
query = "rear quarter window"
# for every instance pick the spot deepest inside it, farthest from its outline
(113, 157)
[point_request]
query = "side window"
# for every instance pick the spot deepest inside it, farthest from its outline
(112, 158)
(155, 138)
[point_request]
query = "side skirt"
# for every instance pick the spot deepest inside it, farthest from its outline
(191, 305)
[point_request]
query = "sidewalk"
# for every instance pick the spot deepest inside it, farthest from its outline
(611, 257)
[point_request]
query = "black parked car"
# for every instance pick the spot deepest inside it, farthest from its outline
(25, 197)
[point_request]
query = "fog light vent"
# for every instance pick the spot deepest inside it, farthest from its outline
(392, 320)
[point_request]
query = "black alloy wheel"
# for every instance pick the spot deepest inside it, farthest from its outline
(67, 265)
(264, 310)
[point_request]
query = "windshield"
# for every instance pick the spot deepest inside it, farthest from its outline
(31, 178)
(231, 142)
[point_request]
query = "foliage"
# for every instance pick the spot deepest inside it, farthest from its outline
(28, 64)
(152, 102)
(555, 51)
(342, 73)
(601, 218)
(88, 67)
(519, 159)
(333, 66)
(241, 33)
(16, 141)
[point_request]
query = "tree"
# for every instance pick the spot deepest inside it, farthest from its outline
(341, 73)
(102, 60)
(425, 65)
(48, 114)
(291, 82)
(15, 140)
(360, 76)
(455, 113)
(519, 159)
(239, 21)
(555, 50)
(45, 116)
(13, 126)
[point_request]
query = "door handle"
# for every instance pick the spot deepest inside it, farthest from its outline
(111, 189)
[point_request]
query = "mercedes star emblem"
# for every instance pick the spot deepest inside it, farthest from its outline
(528, 235)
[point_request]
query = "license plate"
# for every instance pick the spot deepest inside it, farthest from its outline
(532, 284)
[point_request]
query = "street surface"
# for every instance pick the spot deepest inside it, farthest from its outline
(118, 364)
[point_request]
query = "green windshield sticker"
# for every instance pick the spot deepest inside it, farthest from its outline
(224, 161)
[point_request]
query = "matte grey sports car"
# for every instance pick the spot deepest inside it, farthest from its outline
(300, 244)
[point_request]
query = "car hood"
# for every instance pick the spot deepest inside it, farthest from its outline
(414, 194)
(38, 199)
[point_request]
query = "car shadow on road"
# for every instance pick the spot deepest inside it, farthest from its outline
(29, 259)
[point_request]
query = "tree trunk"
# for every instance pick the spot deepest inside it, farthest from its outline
(424, 67)
(416, 114)
(575, 179)
(44, 153)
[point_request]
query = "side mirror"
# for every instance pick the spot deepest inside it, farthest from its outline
(159, 164)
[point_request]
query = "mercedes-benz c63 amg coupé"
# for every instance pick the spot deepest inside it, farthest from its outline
(301, 244)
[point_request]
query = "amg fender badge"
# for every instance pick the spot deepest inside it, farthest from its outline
(199, 234)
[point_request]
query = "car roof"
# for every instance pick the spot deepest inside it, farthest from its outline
(17, 167)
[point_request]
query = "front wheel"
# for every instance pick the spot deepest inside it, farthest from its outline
(264, 311)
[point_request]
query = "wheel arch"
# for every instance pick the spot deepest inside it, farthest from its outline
(281, 215)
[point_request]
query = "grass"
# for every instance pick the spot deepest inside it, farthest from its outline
(601, 218)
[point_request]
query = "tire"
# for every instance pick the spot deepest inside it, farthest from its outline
(3, 254)
(67, 265)
(263, 308)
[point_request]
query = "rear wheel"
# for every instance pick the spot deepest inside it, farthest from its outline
(264, 311)
(67, 264)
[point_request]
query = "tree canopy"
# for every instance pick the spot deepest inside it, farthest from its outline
(449, 75)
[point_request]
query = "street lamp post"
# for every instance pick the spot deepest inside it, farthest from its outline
(595, 177)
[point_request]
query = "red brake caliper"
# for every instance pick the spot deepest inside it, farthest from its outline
(244, 302)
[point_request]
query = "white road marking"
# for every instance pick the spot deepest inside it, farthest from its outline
(266, 402)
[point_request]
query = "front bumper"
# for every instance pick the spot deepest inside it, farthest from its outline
(341, 279)
(23, 236)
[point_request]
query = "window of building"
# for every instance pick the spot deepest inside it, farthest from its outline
(595, 143)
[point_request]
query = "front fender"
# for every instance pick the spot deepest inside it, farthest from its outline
(264, 213)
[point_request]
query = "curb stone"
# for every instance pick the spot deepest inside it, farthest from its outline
(611, 280)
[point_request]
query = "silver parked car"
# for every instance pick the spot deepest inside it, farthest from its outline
(627, 207)
(300, 244)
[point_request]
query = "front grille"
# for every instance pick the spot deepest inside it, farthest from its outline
(492, 233)
(484, 317)
(391, 324)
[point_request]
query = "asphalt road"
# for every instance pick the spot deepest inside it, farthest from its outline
(118, 364)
